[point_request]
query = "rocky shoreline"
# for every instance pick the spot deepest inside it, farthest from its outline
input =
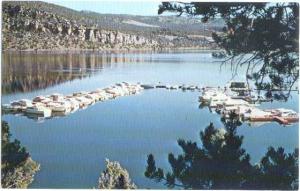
(114, 50)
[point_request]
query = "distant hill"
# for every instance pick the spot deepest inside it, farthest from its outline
(68, 28)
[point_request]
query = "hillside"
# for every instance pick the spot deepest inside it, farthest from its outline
(39, 25)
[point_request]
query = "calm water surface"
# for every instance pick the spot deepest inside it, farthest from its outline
(72, 149)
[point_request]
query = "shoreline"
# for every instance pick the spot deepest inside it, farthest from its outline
(117, 50)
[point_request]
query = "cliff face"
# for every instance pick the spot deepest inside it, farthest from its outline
(41, 26)
(25, 28)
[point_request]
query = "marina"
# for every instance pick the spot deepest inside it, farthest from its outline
(235, 97)
(45, 107)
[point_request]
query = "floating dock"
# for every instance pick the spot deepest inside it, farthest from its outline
(222, 100)
(228, 100)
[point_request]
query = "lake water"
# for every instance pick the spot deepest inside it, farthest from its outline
(72, 149)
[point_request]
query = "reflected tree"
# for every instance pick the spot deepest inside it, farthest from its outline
(221, 163)
(262, 36)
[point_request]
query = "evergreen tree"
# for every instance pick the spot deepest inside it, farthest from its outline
(264, 35)
(221, 163)
(115, 177)
(12, 152)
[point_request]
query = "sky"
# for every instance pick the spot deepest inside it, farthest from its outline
(147, 8)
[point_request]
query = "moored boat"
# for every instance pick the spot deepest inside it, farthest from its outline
(147, 86)
(60, 107)
(38, 109)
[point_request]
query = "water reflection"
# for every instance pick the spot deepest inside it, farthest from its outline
(25, 72)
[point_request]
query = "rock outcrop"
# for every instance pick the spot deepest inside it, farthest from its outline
(26, 26)
(33, 29)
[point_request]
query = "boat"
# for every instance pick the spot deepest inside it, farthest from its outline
(147, 86)
(191, 88)
(38, 109)
(126, 83)
(124, 91)
(242, 111)
(73, 103)
(83, 101)
(174, 87)
(207, 94)
(235, 102)
(80, 93)
(46, 100)
(285, 114)
(217, 99)
(18, 105)
(95, 96)
(92, 97)
(104, 96)
(184, 88)
(8, 108)
(160, 86)
(98, 90)
(60, 107)
(213, 99)
(25, 102)
(39, 98)
(256, 114)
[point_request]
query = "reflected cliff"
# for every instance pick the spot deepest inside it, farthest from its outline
(24, 72)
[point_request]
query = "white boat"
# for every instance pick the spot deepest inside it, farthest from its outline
(60, 106)
(174, 87)
(103, 96)
(191, 88)
(8, 108)
(208, 94)
(126, 83)
(148, 86)
(98, 90)
(83, 101)
(256, 114)
(80, 93)
(93, 97)
(235, 102)
(39, 98)
(19, 105)
(161, 86)
(241, 110)
(133, 89)
(286, 114)
(39, 110)
(25, 102)
(218, 99)
(46, 100)
(74, 104)
(168, 86)
(115, 91)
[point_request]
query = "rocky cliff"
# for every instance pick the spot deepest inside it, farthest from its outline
(30, 28)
